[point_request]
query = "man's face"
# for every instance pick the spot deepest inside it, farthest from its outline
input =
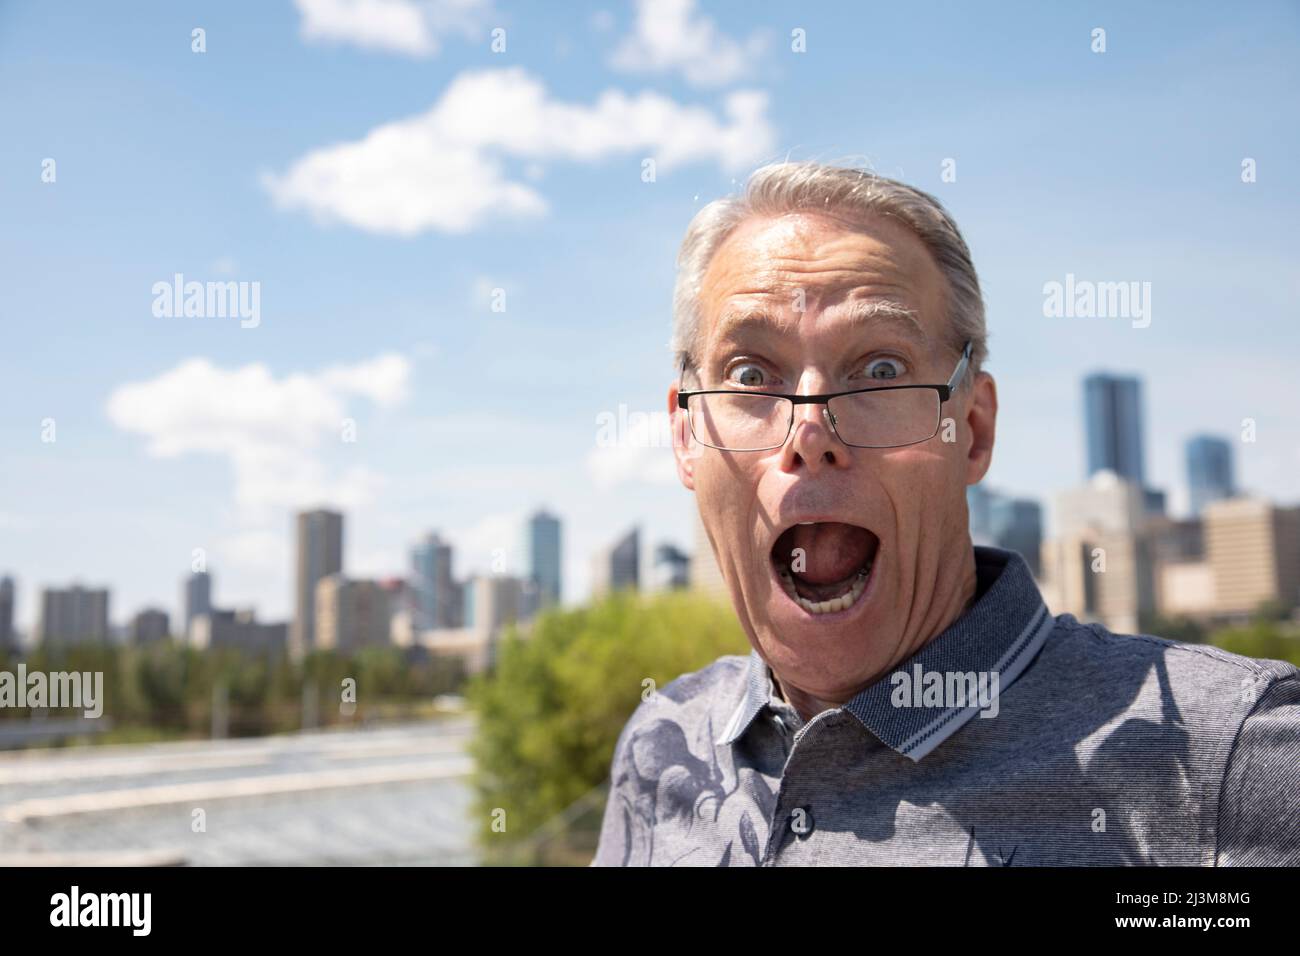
(880, 534)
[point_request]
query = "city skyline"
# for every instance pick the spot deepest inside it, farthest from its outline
(442, 369)
(996, 517)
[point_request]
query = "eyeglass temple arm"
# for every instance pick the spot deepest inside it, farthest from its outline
(960, 370)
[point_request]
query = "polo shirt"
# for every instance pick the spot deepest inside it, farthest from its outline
(1013, 738)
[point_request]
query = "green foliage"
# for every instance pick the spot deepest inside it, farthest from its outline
(1261, 638)
(552, 709)
(1173, 628)
(167, 689)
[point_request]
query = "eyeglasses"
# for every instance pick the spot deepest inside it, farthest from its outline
(883, 417)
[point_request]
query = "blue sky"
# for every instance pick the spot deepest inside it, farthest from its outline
(378, 178)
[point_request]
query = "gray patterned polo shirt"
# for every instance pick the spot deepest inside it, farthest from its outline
(1014, 738)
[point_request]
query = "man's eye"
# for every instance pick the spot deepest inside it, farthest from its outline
(884, 369)
(747, 374)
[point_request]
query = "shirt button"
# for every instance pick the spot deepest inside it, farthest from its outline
(780, 724)
(801, 822)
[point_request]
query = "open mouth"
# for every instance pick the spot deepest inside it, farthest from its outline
(824, 566)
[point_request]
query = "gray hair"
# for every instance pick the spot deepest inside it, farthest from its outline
(845, 192)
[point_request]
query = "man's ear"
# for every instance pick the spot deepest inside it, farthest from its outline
(981, 419)
(684, 448)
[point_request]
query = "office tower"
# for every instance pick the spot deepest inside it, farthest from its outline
(320, 553)
(1099, 566)
(150, 625)
(1000, 521)
(706, 576)
(8, 640)
(542, 555)
(196, 597)
(440, 598)
(239, 630)
(1113, 420)
(1209, 471)
(73, 615)
(1253, 550)
(618, 567)
(979, 501)
(1107, 502)
(496, 601)
(352, 614)
(671, 570)
(1017, 525)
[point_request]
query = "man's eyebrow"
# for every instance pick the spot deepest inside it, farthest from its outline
(860, 312)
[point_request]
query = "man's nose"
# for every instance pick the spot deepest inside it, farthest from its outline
(813, 440)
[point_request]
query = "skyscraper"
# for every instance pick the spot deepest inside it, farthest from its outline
(1017, 525)
(619, 566)
(542, 555)
(439, 597)
(352, 614)
(73, 615)
(1001, 521)
(196, 597)
(1209, 471)
(320, 553)
(149, 626)
(8, 641)
(1112, 407)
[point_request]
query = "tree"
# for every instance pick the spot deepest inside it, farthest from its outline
(550, 714)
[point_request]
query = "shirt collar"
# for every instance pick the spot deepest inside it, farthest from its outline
(1001, 633)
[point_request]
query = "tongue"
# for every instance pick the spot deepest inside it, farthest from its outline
(832, 551)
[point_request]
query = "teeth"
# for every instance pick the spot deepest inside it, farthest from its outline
(830, 605)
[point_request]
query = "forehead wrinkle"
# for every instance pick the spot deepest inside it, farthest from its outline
(857, 314)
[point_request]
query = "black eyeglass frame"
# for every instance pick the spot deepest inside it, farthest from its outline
(945, 393)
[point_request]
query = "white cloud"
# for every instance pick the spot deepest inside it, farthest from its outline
(270, 430)
(670, 36)
(445, 170)
(411, 27)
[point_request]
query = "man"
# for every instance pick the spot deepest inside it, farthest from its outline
(908, 698)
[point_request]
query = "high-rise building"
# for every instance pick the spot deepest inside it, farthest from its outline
(238, 630)
(149, 626)
(672, 568)
(979, 501)
(1005, 522)
(496, 601)
(1209, 471)
(1113, 420)
(542, 561)
(440, 598)
(320, 554)
(8, 639)
(706, 576)
(1253, 549)
(1017, 525)
(196, 597)
(352, 614)
(618, 567)
(1099, 566)
(73, 615)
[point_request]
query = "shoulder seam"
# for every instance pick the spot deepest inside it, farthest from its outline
(1232, 752)
(1241, 662)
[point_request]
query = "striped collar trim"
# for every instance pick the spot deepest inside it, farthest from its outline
(952, 679)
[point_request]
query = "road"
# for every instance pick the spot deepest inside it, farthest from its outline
(388, 796)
